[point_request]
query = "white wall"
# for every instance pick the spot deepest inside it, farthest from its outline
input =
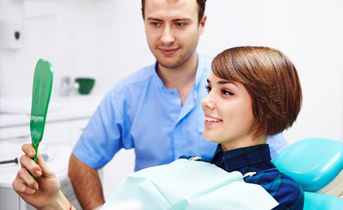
(105, 39)
(101, 39)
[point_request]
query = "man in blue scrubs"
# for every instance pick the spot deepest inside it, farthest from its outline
(157, 109)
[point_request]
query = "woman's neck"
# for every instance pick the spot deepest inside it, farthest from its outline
(240, 143)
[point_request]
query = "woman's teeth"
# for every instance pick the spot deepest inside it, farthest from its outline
(212, 119)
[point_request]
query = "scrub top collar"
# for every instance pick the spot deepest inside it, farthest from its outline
(242, 157)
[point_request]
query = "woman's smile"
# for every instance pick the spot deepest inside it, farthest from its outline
(209, 120)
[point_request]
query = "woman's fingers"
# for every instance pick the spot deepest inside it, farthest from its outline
(26, 177)
(28, 150)
(35, 169)
(27, 163)
(20, 186)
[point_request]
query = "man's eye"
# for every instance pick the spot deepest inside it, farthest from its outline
(208, 88)
(180, 24)
(225, 92)
(156, 24)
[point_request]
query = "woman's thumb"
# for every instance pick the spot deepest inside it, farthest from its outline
(46, 170)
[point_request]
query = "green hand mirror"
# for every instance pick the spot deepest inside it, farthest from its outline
(41, 91)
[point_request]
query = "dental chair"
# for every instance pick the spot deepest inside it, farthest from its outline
(317, 165)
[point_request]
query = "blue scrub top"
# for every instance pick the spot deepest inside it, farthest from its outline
(141, 113)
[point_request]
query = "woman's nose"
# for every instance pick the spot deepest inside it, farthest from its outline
(208, 102)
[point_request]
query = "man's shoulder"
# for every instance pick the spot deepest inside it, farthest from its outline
(205, 63)
(135, 80)
(207, 60)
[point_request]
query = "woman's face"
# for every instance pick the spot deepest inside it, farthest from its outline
(228, 111)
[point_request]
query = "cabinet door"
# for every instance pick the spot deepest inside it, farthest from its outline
(19, 134)
(9, 200)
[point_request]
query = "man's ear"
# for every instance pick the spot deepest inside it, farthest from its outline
(202, 23)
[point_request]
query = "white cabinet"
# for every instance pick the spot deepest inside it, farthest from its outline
(15, 133)
(64, 125)
(65, 132)
(66, 119)
(8, 199)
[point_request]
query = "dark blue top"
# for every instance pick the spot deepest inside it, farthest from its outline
(283, 188)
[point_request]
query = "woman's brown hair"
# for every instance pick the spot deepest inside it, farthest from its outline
(271, 80)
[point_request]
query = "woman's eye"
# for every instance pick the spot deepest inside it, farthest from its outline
(225, 92)
(208, 88)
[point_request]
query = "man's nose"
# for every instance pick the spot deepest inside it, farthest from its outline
(167, 36)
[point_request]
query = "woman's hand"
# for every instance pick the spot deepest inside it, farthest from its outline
(42, 192)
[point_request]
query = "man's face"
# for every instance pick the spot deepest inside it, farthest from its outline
(172, 30)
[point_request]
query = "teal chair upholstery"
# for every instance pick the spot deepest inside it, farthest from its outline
(318, 201)
(317, 165)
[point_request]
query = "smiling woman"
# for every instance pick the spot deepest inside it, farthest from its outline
(253, 92)
(271, 80)
(256, 80)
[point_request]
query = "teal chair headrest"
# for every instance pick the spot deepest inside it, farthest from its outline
(312, 162)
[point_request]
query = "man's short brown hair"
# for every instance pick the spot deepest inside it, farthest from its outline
(201, 7)
(271, 80)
